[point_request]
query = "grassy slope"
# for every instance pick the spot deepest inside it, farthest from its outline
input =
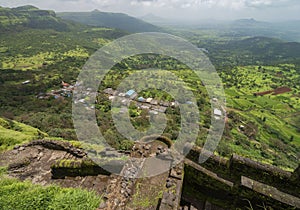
(24, 195)
(20, 18)
(13, 133)
(45, 56)
(275, 136)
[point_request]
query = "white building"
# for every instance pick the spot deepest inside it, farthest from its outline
(217, 113)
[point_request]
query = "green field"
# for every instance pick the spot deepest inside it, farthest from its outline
(24, 195)
(13, 133)
(273, 118)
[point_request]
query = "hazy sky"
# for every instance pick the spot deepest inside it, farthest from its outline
(178, 9)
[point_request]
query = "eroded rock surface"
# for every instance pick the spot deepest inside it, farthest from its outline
(33, 162)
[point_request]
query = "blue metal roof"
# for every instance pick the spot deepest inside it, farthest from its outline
(130, 92)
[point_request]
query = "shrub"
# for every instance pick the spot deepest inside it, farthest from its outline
(24, 195)
(163, 139)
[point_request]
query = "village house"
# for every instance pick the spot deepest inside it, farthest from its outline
(64, 84)
(218, 114)
(109, 91)
(131, 94)
(148, 100)
(154, 102)
(26, 82)
(174, 104)
(145, 107)
(141, 99)
(165, 103)
(153, 112)
(121, 94)
(111, 98)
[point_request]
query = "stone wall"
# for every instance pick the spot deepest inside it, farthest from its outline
(222, 181)
(58, 145)
(73, 168)
(172, 195)
(76, 165)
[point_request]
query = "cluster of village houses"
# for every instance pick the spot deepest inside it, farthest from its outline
(65, 92)
(154, 106)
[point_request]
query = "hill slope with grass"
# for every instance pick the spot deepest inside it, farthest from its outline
(38, 47)
(110, 20)
(20, 18)
(13, 133)
(24, 195)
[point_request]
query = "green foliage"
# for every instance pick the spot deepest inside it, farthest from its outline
(3, 170)
(24, 195)
(24, 17)
(75, 164)
(296, 122)
(13, 133)
(269, 130)
(126, 145)
(146, 195)
(60, 50)
(110, 20)
(55, 55)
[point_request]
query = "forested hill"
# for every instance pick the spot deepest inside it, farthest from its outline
(110, 20)
(267, 48)
(20, 18)
(255, 50)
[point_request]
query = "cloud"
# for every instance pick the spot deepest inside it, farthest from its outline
(268, 3)
(180, 9)
(227, 4)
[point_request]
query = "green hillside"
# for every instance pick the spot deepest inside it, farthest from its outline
(45, 56)
(263, 127)
(24, 17)
(110, 20)
(58, 55)
(13, 133)
(287, 30)
(267, 47)
(16, 194)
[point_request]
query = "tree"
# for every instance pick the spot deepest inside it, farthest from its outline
(297, 123)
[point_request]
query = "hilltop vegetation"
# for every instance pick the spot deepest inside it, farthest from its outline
(110, 20)
(13, 133)
(24, 17)
(227, 51)
(47, 56)
(44, 57)
(263, 127)
(24, 195)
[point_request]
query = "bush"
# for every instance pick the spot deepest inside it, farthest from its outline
(126, 145)
(163, 139)
(24, 195)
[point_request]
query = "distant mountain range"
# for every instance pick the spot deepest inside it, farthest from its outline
(110, 20)
(288, 30)
(285, 30)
